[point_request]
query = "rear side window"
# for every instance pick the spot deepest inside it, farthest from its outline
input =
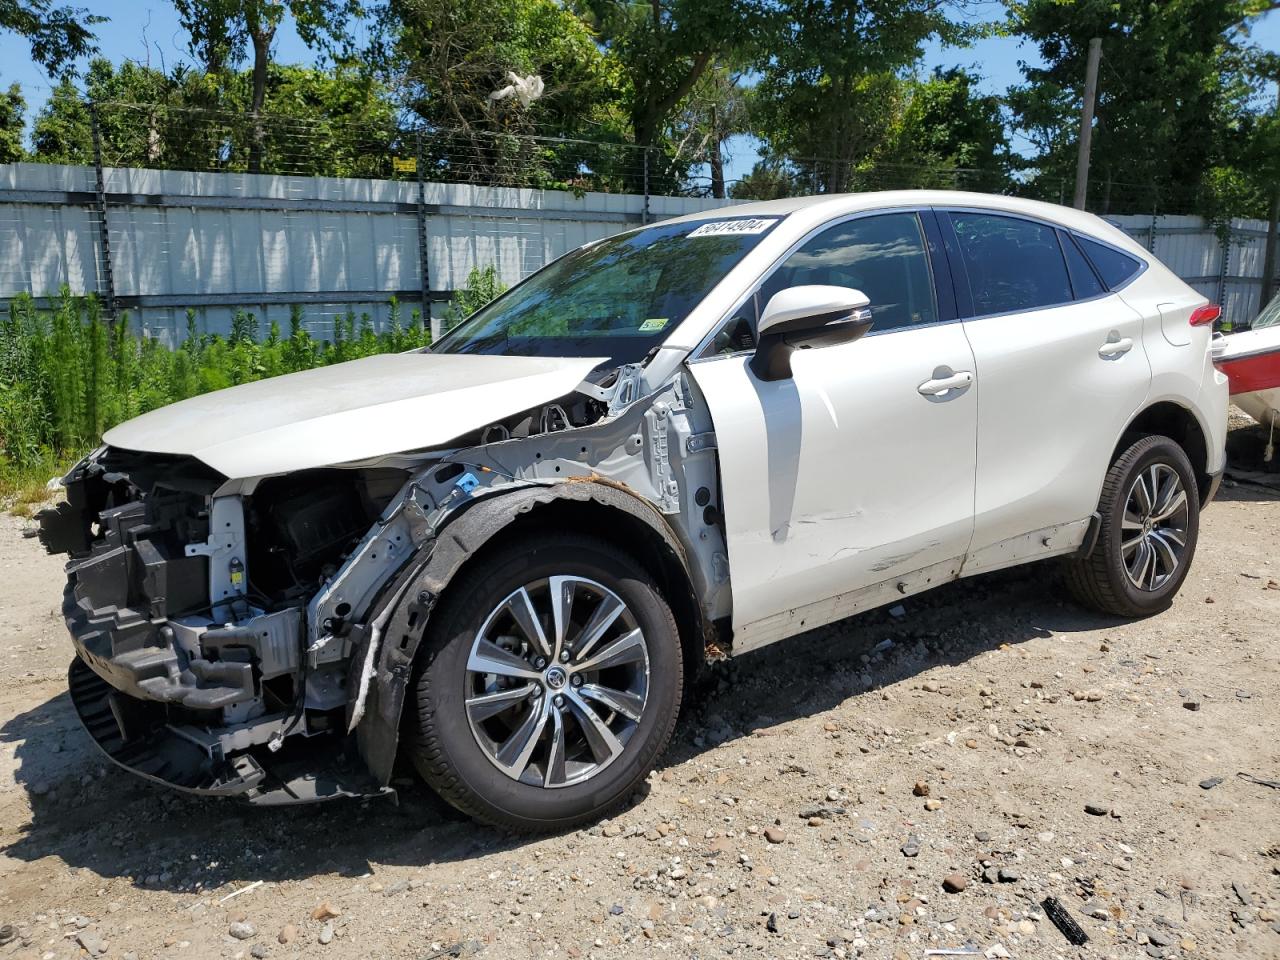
(883, 256)
(1084, 281)
(1012, 264)
(1115, 268)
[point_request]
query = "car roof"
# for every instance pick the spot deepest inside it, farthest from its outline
(816, 209)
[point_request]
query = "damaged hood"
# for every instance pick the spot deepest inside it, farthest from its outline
(350, 411)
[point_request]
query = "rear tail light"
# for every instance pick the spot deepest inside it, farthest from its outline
(1205, 315)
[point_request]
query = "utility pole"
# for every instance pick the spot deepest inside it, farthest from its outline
(1086, 122)
(1273, 225)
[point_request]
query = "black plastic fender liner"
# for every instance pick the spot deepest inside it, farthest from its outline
(378, 733)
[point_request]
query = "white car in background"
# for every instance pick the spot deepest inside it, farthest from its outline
(500, 559)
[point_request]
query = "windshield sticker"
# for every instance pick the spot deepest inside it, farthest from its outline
(653, 324)
(729, 228)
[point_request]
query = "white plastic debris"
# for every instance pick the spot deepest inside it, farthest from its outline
(525, 89)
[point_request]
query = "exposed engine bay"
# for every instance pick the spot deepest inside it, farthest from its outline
(232, 633)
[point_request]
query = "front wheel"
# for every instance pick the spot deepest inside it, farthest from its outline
(1150, 510)
(549, 684)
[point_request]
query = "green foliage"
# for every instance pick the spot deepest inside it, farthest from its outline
(67, 374)
(483, 285)
(664, 47)
(340, 122)
(58, 35)
(953, 131)
(13, 108)
(646, 95)
(445, 57)
(1172, 92)
(449, 55)
(221, 32)
(829, 96)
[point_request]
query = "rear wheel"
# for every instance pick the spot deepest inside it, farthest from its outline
(549, 685)
(1150, 510)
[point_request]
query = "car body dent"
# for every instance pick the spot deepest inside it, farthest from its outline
(387, 655)
(652, 457)
(350, 411)
(809, 514)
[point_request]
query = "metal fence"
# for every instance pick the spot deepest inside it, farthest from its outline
(1223, 263)
(162, 214)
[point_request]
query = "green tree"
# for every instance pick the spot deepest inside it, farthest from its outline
(138, 119)
(1169, 94)
(58, 35)
(715, 111)
(62, 132)
(222, 31)
(664, 47)
(13, 108)
(768, 180)
(337, 122)
(830, 90)
(952, 131)
(445, 58)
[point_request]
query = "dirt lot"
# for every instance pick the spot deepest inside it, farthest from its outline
(967, 738)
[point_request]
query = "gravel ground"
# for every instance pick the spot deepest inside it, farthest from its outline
(824, 798)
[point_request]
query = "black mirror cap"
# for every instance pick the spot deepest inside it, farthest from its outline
(772, 359)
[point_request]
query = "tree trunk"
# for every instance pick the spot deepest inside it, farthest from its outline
(1269, 258)
(261, 57)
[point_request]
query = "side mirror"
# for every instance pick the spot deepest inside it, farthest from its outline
(807, 316)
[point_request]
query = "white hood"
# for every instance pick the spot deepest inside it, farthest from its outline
(350, 411)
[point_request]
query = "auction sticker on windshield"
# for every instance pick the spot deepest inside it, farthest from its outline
(724, 228)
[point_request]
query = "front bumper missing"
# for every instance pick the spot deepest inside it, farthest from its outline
(134, 735)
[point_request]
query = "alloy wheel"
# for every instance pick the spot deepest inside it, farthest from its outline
(1154, 527)
(557, 681)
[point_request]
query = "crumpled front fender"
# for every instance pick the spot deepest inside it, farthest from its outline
(424, 581)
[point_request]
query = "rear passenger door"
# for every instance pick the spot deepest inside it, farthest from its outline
(1060, 370)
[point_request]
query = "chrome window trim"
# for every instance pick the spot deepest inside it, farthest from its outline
(696, 355)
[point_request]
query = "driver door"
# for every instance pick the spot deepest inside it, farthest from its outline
(852, 482)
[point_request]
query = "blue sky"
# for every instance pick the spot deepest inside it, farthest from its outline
(148, 32)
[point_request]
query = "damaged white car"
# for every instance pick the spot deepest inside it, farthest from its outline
(500, 559)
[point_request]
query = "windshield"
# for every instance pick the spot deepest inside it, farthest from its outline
(618, 298)
(1270, 317)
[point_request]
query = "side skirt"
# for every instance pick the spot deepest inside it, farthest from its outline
(1053, 541)
(821, 612)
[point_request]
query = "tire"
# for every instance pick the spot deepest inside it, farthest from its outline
(473, 760)
(1105, 579)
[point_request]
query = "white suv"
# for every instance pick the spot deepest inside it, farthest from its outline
(501, 558)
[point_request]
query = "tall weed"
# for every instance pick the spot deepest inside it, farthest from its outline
(67, 374)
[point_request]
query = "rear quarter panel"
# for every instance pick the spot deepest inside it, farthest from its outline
(1182, 370)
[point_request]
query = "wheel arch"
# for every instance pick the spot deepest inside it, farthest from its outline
(598, 508)
(1180, 424)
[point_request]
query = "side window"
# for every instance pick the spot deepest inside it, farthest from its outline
(1115, 268)
(1084, 281)
(1012, 264)
(883, 256)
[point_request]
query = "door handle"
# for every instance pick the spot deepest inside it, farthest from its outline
(1115, 348)
(957, 381)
